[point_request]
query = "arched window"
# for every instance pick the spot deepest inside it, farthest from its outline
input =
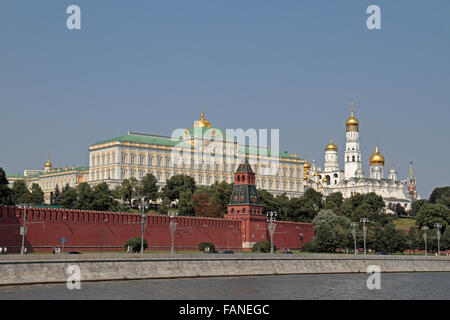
(353, 158)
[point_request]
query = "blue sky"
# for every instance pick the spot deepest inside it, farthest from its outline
(292, 65)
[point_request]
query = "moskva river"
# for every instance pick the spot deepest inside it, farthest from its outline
(327, 286)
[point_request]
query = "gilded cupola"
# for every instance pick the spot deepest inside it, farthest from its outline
(377, 158)
(352, 123)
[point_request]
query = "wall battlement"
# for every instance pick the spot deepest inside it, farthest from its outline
(87, 230)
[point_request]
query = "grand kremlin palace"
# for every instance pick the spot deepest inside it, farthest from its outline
(135, 155)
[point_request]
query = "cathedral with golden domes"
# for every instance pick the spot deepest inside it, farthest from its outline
(352, 179)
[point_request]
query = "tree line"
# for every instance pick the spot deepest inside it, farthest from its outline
(331, 216)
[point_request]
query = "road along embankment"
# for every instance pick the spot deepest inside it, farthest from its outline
(54, 269)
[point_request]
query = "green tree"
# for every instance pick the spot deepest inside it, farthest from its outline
(36, 195)
(57, 197)
(323, 216)
(20, 192)
(185, 204)
(412, 239)
(431, 213)
(343, 237)
(282, 207)
(386, 238)
(325, 238)
(263, 247)
(5, 191)
(149, 188)
(102, 198)
(69, 197)
(438, 193)
(334, 202)
(176, 185)
(267, 200)
(164, 207)
(416, 205)
(202, 246)
(221, 192)
(128, 190)
(135, 244)
(445, 239)
(85, 197)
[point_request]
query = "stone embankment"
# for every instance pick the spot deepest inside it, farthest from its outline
(15, 269)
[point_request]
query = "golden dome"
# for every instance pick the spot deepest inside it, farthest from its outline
(48, 164)
(352, 123)
(331, 146)
(202, 122)
(306, 165)
(325, 180)
(316, 174)
(377, 158)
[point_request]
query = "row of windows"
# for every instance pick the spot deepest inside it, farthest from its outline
(220, 168)
(98, 159)
(102, 174)
(45, 185)
(353, 159)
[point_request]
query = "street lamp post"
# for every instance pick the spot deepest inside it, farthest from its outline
(438, 226)
(143, 205)
(354, 225)
(173, 227)
(364, 221)
(24, 227)
(271, 217)
(425, 228)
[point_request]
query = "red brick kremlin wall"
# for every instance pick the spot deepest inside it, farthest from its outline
(108, 231)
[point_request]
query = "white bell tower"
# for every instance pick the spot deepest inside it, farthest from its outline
(352, 154)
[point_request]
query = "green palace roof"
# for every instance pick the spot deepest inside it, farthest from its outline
(43, 173)
(15, 175)
(141, 138)
(194, 132)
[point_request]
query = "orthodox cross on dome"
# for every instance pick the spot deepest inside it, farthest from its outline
(48, 164)
(202, 122)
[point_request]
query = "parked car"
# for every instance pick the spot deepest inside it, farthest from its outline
(383, 253)
(228, 252)
(73, 252)
(287, 252)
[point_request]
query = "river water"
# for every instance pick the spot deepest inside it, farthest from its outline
(325, 286)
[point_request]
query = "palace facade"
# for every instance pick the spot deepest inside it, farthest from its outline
(202, 152)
